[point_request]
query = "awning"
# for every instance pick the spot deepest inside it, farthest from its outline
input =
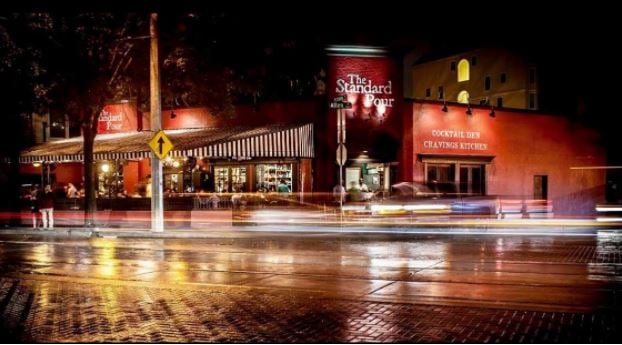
(277, 141)
(467, 159)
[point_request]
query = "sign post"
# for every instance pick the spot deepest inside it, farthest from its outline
(157, 202)
(340, 104)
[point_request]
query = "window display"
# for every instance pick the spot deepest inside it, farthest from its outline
(269, 176)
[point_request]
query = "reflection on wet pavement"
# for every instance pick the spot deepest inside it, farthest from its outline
(388, 274)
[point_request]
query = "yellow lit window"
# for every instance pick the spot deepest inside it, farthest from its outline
(464, 73)
(463, 97)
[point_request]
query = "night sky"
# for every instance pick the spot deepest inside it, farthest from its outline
(573, 47)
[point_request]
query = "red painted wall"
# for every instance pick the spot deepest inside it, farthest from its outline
(144, 168)
(131, 176)
(368, 127)
(29, 169)
(117, 118)
(69, 172)
(523, 144)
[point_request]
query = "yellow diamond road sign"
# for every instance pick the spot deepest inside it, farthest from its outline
(161, 144)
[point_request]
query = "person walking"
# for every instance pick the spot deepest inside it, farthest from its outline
(47, 207)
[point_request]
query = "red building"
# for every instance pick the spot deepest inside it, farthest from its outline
(514, 153)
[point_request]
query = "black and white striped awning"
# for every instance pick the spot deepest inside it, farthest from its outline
(274, 141)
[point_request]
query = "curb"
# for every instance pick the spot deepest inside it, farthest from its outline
(289, 229)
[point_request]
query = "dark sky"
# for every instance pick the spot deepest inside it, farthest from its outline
(574, 46)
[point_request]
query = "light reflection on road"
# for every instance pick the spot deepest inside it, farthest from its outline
(541, 270)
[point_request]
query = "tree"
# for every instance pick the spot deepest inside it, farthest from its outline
(24, 45)
(92, 59)
(96, 64)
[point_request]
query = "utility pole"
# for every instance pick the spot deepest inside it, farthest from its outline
(157, 203)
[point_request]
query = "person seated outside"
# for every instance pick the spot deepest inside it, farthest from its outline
(354, 192)
(81, 192)
(214, 200)
(72, 191)
(283, 188)
(339, 193)
(363, 187)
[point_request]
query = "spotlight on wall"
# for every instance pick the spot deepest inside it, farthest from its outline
(444, 109)
(492, 112)
(173, 115)
(469, 111)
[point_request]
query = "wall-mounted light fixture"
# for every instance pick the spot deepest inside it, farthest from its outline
(105, 167)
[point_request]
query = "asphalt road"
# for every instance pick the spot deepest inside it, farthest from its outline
(312, 288)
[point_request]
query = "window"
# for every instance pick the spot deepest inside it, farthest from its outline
(472, 179)
(453, 65)
(440, 173)
(463, 97)
(532, 75)
(473, 60)
(500, 102)
(503, 77)
(532, 100)
(428, 92)
(464, 73)
(540, 187)
(487, 83)
(268, 176)
(441, 93)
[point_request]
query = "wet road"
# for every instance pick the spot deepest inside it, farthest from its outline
(312, 288)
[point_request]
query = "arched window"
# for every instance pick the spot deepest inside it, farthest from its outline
(463, 97)
(464, 73)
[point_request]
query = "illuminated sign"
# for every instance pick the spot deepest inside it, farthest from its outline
(116, 118)
(447, 140)
(357, 84)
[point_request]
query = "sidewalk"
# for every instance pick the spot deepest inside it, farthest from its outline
(346, 227)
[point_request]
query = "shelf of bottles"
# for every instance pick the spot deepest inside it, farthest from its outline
(269, 176)
(230, 179)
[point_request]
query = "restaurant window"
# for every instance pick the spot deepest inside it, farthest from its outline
(441, 93)
(500, 102)
(503, 78)
(109, 180)
(440, 173)
(452, 178)
(268, 176)
(230, 179)
(471, 179)
(173, 173)
(428, 92)
(487, 83)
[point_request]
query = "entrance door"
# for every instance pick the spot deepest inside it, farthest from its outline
(471, 179)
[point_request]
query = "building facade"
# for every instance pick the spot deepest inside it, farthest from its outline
(496, 148)
(495, 77)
